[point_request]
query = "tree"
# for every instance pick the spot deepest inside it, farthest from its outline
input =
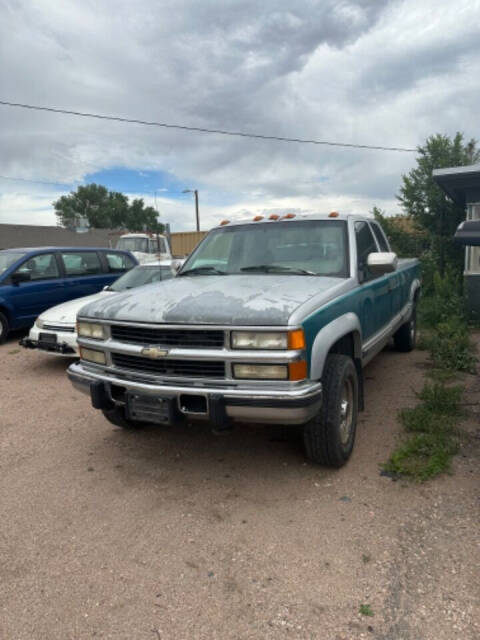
(105, 209)
(427, 204)
(406, 240)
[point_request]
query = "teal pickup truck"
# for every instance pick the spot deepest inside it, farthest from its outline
(270, 320)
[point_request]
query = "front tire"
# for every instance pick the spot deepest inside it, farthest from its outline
(405, 338)
(117, 417)
(329, 437)
(3, 328)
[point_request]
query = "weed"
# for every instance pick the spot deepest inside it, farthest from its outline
(13, 352)
(450, 346)
(438, 398)
(366, 557)
(366, 610)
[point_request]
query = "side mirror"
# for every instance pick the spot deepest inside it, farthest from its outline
(106, 287)
(382, 262)
(176, 265)
(20, 276)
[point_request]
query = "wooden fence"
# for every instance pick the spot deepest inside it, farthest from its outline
(184, 242)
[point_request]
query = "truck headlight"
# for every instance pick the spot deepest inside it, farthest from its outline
(275, 340)
(39, 322)
(92, 355)
(260, 371)
(90, 330)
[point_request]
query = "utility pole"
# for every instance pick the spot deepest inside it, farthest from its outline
(197, 214)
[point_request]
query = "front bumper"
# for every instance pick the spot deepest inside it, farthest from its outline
(241, 404)
(63, 344)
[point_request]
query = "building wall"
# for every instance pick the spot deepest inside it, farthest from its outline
(184, 242)
(22, 235)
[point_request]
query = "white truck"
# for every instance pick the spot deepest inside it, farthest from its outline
(146, 246)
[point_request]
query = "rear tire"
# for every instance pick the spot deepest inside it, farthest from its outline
(3, 328)
(117, 417)
(329, 437)
(405, 338)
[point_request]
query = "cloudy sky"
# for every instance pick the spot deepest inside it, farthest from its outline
(360, 71)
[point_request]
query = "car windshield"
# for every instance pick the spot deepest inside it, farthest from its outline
(141, 275)
(133, 244)
(307, 247)
(7, 258)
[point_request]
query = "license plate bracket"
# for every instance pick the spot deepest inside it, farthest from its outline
(149, 408)
(48, 338)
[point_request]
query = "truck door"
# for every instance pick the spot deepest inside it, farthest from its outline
(375, 303)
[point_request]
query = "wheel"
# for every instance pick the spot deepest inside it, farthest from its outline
(3, 328)
(405, 338)
(117, 417)
(329, 437)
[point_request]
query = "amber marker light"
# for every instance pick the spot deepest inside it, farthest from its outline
(289, 216)
(297, 370)
(224, 222)
(333, 214)
(257, 218)
(274, 216)
(296, 339)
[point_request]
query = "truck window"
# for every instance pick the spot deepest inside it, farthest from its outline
(379, 235)
(315, 246)
(365, 244)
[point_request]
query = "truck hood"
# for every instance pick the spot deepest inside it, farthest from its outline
(231, 300)
(66, 313)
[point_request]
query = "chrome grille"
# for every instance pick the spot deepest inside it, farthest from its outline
(167, 367)
(183, 338)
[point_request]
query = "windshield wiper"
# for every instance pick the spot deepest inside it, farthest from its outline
(272, 268)
(203, 270)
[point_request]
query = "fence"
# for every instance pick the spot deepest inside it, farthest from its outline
(184, 242)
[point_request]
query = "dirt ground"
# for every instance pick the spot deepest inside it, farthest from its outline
(179, 534)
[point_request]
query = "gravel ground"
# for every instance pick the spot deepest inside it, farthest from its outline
(178, 534)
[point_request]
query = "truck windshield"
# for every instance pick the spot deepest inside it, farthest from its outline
(133, 244)
(313, 247)
(141, 275)
(7, 258)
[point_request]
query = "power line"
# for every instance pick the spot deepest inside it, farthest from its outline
(239, 134)
(56, 184)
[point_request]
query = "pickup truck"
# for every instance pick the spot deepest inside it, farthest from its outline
(269, 320)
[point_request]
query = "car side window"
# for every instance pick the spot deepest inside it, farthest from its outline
(382, 242)
(42, 267)
(365, 245)
(81, 263)
(118, 262)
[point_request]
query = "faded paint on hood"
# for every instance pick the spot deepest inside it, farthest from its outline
(234, 299)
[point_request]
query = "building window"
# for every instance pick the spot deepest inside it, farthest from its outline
(472, 261)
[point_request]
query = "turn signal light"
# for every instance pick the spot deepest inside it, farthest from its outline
(296, 339)
(297, 370)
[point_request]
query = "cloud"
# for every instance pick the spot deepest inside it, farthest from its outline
(389, 73)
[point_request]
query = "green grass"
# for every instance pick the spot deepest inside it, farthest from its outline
(432, 439)
(366, 610)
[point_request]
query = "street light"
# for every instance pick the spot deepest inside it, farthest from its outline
(195, 193)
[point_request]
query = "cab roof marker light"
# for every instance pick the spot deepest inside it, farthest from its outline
(288, 216)
(333, 214)
(224, 222)
(257, 218)
(273, 216)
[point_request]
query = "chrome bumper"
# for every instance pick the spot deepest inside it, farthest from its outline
(263, 405)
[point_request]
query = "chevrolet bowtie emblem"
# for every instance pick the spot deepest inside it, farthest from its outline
(154, 352)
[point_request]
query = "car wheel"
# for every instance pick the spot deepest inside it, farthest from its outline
(117, 417)
(3, 328)
(329, 437)
(406, 337)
